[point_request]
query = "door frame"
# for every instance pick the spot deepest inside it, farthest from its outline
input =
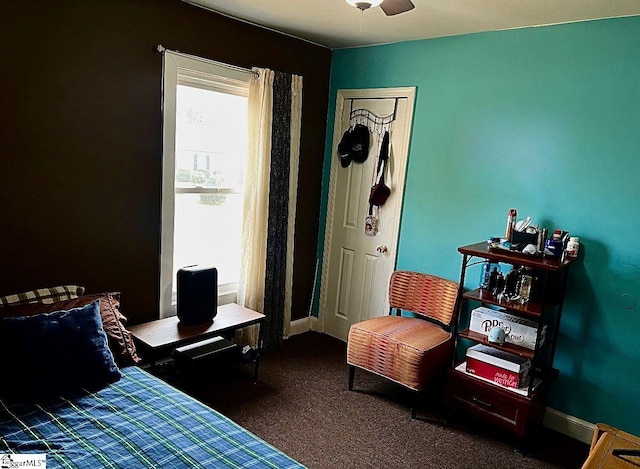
(342, 96)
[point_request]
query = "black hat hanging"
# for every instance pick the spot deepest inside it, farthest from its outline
(354, 145)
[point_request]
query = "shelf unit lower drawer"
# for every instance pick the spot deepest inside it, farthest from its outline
(517, 414)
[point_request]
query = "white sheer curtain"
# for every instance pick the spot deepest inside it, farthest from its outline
(253, 275)
(256, 196)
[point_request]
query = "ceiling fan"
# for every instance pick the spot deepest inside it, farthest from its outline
(390, 7)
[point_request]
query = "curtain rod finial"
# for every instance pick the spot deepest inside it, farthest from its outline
(159, 48)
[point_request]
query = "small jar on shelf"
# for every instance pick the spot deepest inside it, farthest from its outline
(573, 246)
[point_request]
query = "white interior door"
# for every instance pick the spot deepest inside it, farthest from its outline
(356, 266)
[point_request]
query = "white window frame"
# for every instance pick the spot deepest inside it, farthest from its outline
(183, 69)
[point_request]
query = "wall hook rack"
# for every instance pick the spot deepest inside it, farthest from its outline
(363, 116)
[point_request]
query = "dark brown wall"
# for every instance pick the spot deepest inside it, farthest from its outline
(81, 146)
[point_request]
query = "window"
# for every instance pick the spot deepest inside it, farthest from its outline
(205, 147)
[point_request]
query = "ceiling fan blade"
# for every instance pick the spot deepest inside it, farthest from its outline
(395, 7)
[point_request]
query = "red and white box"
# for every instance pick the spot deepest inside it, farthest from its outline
(518, 331)
(498, 366)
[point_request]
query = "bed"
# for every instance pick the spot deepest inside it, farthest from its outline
(125, 417)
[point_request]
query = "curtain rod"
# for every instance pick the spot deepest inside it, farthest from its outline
(159, 48)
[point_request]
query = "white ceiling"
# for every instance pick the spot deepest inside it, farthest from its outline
(335, 24)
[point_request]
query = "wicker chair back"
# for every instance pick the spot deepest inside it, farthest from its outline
(424, 294)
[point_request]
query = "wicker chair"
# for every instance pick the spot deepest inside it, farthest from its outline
(412, 351)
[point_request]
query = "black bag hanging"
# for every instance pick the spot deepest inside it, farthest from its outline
(380, 192)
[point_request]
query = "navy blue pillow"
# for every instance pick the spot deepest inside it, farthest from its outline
(51, 354)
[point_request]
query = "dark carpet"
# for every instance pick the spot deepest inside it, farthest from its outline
(301, 405)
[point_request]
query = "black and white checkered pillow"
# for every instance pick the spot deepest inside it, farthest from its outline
(43, 295)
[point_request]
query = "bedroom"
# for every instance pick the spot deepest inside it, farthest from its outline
(81, 197)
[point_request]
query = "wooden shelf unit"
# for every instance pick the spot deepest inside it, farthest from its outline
(518, 412)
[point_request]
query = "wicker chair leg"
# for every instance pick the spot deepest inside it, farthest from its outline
(414, 405)
(415, 399)
(352, 373)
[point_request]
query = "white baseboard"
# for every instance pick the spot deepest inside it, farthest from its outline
(569, 425)
(299, 326)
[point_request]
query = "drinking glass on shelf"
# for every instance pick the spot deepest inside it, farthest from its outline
(525, 288)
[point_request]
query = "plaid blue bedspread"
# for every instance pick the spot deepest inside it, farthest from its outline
(138, 422)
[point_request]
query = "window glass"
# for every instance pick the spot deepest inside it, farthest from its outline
(211, 145)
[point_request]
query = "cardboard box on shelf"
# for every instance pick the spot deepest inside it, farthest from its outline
(519, 331)
(462, 368)
(501, 367)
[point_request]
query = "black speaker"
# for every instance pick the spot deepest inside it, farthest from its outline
(197, 294)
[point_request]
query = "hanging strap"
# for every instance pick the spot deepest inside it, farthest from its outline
(383, 158)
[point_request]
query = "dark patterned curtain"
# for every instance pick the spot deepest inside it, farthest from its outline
(276, 262)
(266, 277)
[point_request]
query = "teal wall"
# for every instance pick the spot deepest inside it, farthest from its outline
(546, 120)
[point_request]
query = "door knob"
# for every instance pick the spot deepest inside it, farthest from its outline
(382, 249)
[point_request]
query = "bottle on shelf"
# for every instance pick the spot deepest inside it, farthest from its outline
(485, 276)
(526, 281)
(493, 280)
(499, 290)
(510, 283)
(511, 224)
(542, 239)
(573, 246)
